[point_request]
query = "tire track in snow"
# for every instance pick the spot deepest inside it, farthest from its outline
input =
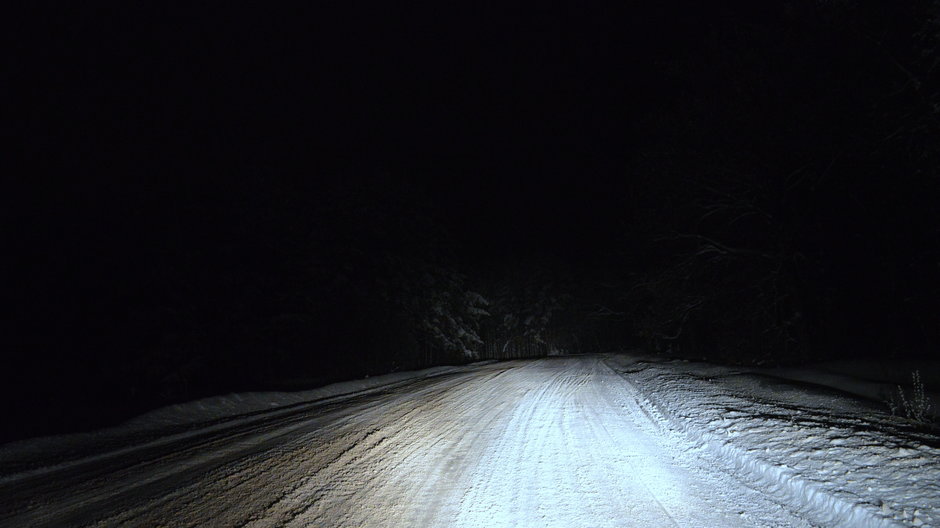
(552, 442)
(136, 474)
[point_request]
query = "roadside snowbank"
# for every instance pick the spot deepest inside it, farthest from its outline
(178, 420)
(849, 461)
(875, 380)
(226, 406)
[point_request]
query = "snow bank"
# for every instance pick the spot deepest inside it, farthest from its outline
(182, 419)
(850, 463)
(875, 380)
(222, 407)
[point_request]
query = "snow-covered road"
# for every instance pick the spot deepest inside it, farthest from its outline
(554, 442)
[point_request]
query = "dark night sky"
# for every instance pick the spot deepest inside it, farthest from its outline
(504, 113)
(516, 117)
(173, 163)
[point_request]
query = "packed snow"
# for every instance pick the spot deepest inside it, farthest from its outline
(617, 440)
(844, 460)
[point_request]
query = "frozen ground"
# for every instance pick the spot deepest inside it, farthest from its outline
(812, 442)
(570, 441)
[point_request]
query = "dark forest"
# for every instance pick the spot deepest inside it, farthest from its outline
(204, 199)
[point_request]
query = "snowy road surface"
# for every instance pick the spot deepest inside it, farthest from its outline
(560, 442)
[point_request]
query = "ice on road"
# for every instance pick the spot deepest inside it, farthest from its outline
(553, 442)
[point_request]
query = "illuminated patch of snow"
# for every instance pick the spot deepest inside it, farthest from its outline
(178, 421)
(846, 461)
(564, 442)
